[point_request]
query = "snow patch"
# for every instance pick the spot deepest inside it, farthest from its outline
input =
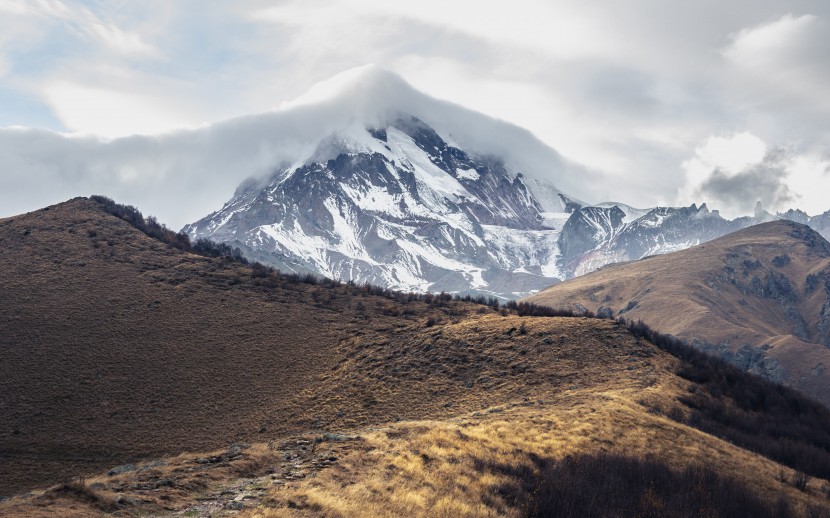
(467, 174)
(631, 214)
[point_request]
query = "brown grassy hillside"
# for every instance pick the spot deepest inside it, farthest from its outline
(235, 390)
(580, 387)
(759, 297)
(115, 346)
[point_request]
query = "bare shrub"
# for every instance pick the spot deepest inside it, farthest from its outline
(616, 485)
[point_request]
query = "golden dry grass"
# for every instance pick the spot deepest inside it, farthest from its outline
(467, 466)
(470, 465)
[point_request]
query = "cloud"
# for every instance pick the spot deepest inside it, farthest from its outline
(182, 175)
(732, 173)
(177, 177)
(771, 43)
(112, 113)
(79, 19)
(738, 193)
(779, 70)
(629, 89)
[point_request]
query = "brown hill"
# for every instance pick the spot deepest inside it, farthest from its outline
(116, 345)
(119, 348)
(759, 298)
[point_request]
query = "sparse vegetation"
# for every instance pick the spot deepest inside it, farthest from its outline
(156, 230)
(267, 276)
(530, 309)
(771, 419)
(800, 480)
(79, 490)
(614, 485)
(781, 261)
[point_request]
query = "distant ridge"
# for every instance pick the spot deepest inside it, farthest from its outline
(759, 297)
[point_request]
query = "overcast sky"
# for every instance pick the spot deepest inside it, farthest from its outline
(670, 102)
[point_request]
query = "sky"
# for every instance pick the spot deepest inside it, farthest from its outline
(666, 102)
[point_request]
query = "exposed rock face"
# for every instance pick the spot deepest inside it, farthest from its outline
(594, 237)
(588, 229)
(747, 357)
(400, 207)
(823, 328)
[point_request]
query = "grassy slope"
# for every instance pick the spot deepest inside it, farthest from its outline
(181, 353)
(690, 294)
(117, 346)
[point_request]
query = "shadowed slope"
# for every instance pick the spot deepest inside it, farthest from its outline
(116, 346)
(759, 297)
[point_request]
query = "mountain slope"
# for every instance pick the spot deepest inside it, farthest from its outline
(756, 297)
(118, 347)
(396, 206)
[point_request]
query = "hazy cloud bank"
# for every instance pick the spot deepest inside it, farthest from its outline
(632, 90)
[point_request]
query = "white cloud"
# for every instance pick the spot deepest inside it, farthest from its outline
(768, 45)
(731, 155)
(732, 173)
(628, 88)
(89, 25)
(779, 69)
(112, 113)
(531, 24)
(181, 175)
(809, 179)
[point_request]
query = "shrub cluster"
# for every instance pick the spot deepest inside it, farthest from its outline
(156, 230)
(267, 276)
(530, 309)
(619, 486)
(768, 418)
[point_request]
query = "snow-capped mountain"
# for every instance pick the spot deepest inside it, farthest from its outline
(383, 184)
(611, 233)
(397, 206)
(405, 191)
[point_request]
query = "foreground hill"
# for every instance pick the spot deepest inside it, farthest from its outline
(231, 388)
(759, 297)
(117, 345)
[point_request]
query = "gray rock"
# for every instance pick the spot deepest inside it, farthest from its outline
(329, 436)
(125, 468)
(156, 463)
(237, 449)
(824, 324)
